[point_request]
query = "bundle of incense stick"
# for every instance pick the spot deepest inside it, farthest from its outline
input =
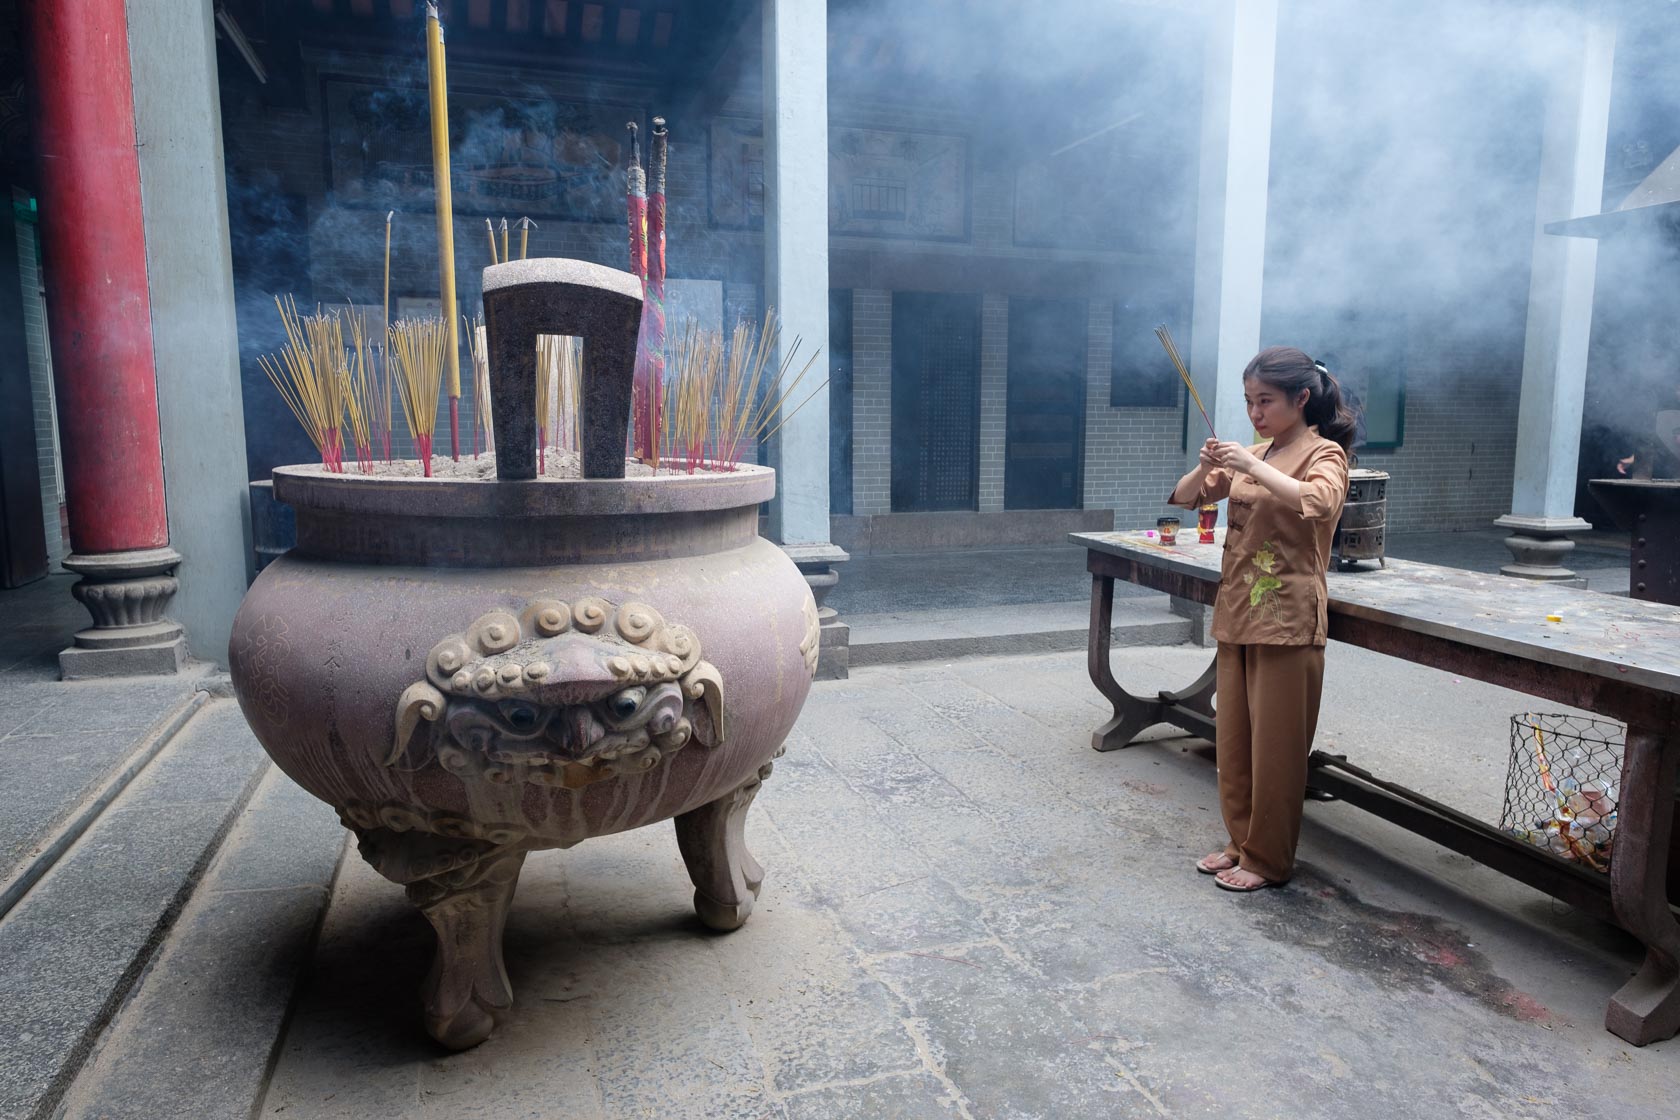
(694, 370)
(361, 391)
(308, 372)
(419, 349)
(382, 397)
(1165, 336)
(568, 403)
(548, 373)
(480, 352)
(721, 401)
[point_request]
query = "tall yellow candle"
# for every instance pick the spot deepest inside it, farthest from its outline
(445, 212)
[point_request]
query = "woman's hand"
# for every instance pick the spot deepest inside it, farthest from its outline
(1232, 456)
(1209, 461)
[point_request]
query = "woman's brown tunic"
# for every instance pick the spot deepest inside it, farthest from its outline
(1271, 583)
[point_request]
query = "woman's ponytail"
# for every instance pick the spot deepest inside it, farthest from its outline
(1328, 409)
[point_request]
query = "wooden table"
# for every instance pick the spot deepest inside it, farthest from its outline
(1611, 655)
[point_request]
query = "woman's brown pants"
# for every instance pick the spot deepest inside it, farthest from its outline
(1267, 714)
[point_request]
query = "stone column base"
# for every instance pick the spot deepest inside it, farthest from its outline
(1201, 620)
(815, 562)
(127, 594)
(1539, 545)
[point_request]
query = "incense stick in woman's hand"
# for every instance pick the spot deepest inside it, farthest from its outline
(1165, 336)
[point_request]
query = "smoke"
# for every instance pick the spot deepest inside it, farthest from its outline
(1058, 143)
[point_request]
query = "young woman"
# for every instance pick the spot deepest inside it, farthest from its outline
(1269, 617)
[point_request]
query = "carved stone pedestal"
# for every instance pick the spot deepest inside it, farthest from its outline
(127, 593)
(1539, 545)
(815, 563)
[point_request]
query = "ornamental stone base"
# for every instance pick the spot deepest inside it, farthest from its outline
(127, 593)
(1539, 545)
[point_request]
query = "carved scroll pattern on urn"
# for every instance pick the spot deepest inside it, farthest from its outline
(810, 643)
(562, 694)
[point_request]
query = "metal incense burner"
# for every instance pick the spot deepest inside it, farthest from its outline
(470, 670)
(1359, 533)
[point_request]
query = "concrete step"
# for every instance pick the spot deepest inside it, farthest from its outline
(931, 635)
(72, 948)
(200, 1032)
(68, 748)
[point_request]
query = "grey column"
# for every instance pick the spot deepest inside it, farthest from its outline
(1231, 209)
(994, 398)
(871, 401)
(178, 123)
(796, 285)
(1560, 300)
(1102, 458)
(23, 557)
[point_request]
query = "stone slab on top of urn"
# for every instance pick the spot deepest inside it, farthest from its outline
(561, 270)
(524, 300)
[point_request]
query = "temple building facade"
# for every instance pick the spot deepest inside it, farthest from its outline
(976, 245)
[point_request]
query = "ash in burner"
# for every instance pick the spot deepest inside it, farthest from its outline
(559, 465)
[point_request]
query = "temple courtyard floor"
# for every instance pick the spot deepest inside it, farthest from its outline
(967, 913)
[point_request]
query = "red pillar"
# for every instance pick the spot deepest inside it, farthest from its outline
(94, 254)
(99, 318)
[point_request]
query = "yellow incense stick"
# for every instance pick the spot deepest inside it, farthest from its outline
(1165, 336)
(439, 85)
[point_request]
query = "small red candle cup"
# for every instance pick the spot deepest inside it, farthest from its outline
(1167, 527)
(1206, 518)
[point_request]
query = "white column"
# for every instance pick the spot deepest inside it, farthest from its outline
(796, 251)
(195, 342)
(1241, 51)
(796, 285)
(1560, 304)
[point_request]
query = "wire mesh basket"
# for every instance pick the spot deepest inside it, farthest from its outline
(1560, 788)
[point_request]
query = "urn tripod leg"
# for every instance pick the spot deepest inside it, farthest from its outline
(713, 843)
(468, 982)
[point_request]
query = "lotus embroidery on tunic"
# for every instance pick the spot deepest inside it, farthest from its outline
(1262, 589)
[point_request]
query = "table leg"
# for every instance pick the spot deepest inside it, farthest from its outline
(1647, 1008)
(1197, 696)
(1189, 708)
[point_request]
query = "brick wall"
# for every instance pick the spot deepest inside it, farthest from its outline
(871, 401)
(41, 392)
(1457, 465)
(1132, 455)
(994, 398)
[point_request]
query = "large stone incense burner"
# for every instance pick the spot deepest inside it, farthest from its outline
(472, 670)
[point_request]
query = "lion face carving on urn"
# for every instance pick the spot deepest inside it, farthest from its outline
(561, 695)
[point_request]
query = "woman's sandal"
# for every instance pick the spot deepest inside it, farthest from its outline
(1201, 864)
(1260, 886)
